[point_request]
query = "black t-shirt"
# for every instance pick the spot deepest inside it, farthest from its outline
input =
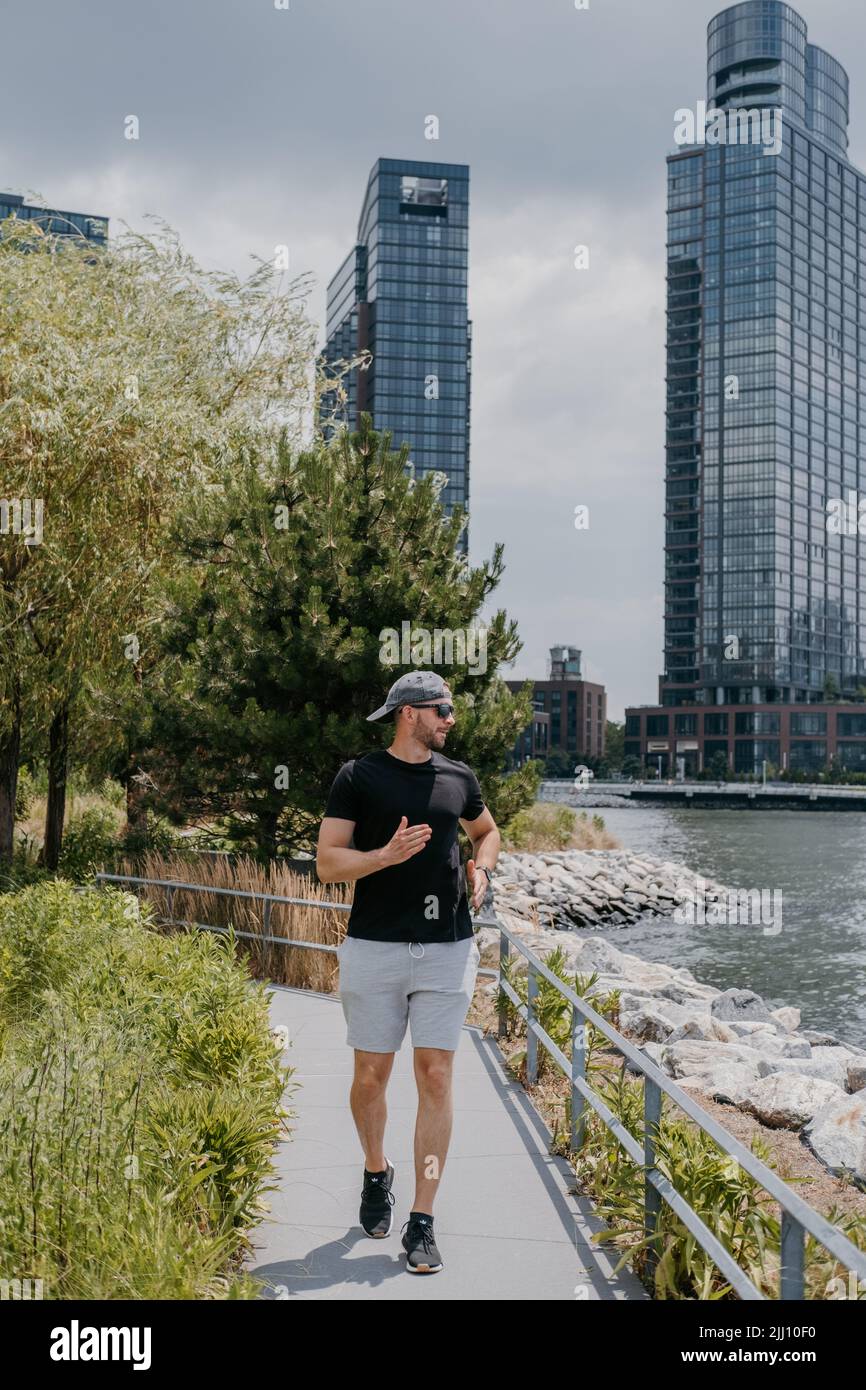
(424, 898)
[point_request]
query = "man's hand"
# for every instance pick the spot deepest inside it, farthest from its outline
(406, 841)
(478, 883)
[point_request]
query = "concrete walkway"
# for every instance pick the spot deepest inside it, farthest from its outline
(506, 1222)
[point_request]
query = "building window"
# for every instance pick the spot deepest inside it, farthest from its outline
(714, 746)
(852, 755)
(808, 755)
(757, 722)
(685, 723)
(715, 723)
(808, 724)
(750, 755)
(657, 725)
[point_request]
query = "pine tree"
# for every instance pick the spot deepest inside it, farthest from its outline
(295, 569)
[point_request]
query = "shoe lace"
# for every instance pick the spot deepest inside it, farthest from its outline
(422, 1230)
(375, 1188)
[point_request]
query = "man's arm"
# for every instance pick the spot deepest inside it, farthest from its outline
(486, 842)
(337, 863)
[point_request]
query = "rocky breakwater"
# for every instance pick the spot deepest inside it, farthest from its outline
(589, 888)
(728, 1044)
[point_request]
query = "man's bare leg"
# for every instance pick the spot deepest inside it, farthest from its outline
(433, 1069)
(367, 1101)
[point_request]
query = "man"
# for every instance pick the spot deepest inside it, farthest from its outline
(409, 954)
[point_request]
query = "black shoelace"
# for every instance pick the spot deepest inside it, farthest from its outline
(375, 1189)
(425, 1229)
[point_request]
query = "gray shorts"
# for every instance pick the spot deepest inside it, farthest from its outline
(385, 984)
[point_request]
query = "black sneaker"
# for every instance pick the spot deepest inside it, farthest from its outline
(376, 1202)
(422, 1256)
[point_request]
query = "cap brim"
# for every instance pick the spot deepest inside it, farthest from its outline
(377, 714)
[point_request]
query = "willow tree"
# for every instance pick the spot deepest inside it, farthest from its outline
(127, 377)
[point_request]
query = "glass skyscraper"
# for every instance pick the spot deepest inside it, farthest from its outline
(766, 411)
(52, 220)
(402, 293)
(765, 599)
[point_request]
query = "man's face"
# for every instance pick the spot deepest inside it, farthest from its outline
(428, 729)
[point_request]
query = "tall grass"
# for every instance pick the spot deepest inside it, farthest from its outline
(140, 1102)
(285, 965)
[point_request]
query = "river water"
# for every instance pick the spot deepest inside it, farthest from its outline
(817, 962)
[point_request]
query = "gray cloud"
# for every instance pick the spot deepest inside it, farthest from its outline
(258, 127)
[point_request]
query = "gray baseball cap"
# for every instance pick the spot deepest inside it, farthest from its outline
(417, 688)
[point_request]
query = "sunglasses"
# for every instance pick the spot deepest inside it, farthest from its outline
(444, 710)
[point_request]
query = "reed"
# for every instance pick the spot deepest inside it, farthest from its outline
(283, 965)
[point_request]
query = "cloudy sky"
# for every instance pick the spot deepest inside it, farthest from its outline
(258, 127)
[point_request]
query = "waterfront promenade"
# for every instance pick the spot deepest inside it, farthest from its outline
(508, 1223)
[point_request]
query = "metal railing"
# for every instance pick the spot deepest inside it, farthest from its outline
(798, 1217)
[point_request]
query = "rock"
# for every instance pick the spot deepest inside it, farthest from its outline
(837, 1136)
(726, 1084)
(856, 1076)
(744, 1028)
(788, 1102)
(788, 1017)
(828, 1040)
(738, 1004)
(709, 1059)
(773, 1045)
(826, 1063)
(685, 993)
(649, 1026)
(703, 1029)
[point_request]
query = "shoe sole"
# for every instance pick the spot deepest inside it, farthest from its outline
(379, 1235)
(423, 1269)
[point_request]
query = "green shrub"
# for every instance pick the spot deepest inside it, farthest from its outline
(153, 836)
(140, 1101)
(89, 844)
(24, 794)
(555, 823)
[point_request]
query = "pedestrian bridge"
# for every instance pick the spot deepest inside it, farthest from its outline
(508, 1223)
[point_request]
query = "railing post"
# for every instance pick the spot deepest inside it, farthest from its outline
(652, 1113)
(531, 1039)
(266, 918)
(791, 1269)
(578, 1072)
(169, 899)
(503, 1004)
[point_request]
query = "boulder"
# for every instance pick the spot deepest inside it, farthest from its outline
(726, 1083)
(837, 1136)
(744, 1028)
(856, 1076)
(734, 1005)
(647, 1025)
(708, 1059)
(683, 992)
(788, 1017)
(826, 1063)
(704, 1028)
(788, 1101)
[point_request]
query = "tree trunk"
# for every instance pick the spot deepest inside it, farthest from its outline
(10, 751)
(55, 811)
(266, 835)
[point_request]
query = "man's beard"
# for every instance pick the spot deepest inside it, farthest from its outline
(430, 738)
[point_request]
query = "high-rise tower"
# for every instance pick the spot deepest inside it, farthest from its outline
(402, 293)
